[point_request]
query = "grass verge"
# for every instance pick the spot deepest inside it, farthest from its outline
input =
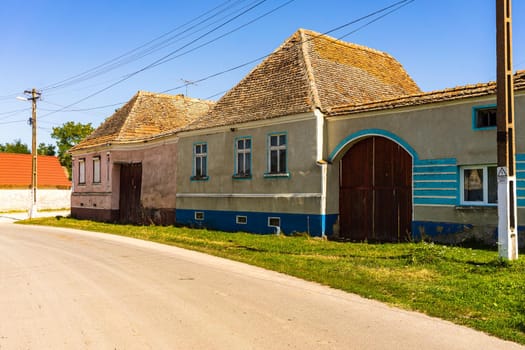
(468, 287)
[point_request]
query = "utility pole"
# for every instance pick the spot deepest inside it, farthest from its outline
(35, 95)
(506, 172)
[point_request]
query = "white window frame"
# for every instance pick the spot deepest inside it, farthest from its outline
(243, 169)
(96, 170)
(277, 148)
(200, 154)
(82, 171)
(274, 218)
(199, 215)
(484, 184)
(241, 219)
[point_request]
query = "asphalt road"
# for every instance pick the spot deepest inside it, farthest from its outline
(67, 289)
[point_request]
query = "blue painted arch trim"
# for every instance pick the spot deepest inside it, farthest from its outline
(371, 132)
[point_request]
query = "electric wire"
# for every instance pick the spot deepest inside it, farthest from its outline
(401, 3)
(118, 61)
(158, 61)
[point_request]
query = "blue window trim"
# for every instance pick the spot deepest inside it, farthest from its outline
(193, 176)
(268, 174)
(236, 175)
(475, 110)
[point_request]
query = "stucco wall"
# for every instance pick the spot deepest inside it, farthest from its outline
(20, 199)
(299, 192)
(441, 131)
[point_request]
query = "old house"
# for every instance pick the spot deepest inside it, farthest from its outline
(332, 138)
(125, 170)
(53, 186)
(324, 137)
(258, 161)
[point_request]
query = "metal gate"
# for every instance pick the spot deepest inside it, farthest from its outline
(376, 191)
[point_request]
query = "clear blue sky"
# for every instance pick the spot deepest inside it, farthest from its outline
(441, 44)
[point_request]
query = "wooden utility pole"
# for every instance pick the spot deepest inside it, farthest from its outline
(507, 207)
(35, 95)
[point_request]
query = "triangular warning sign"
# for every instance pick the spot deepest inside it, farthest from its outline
(502, 171)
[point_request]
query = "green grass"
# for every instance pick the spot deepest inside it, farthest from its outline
(466, 286)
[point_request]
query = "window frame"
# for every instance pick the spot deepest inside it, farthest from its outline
(238, 174)
(198, 215)
(82, 171)
(97, 171)
(475, 114)
(241, 219)
(203, 158)
(277, 148)
(270, 218)
(485, 185)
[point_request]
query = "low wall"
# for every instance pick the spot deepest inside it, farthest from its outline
(20, 199)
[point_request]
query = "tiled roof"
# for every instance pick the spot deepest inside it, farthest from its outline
(15, 171)
(460, 92)
(147, 115)
(309, 71)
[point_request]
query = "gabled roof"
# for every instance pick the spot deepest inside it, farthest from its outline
(459, 92)
(310, 71)
(15, 171)
(146, 116)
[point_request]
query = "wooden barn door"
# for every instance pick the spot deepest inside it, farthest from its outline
(130, 187)
(376, 191)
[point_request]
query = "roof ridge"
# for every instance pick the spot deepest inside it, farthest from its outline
(130, 114)
(318, 35)
(309, 69)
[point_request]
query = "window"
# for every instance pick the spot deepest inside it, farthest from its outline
(82, 171)
(484, 117)
(241, 219)
(277, 154)
(199, 215)
(274, 222)
(96, 169)
(244, 157)
(479, 185)
(200, 160)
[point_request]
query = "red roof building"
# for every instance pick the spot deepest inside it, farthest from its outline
(15, 172)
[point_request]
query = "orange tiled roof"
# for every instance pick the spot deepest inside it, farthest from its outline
(15, 171)
(459, 92)
(309, 71)
(146, 116)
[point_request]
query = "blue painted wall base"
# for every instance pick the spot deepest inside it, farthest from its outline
(257, 222)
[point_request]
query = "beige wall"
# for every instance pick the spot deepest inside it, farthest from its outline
(440, 130)
(300, 191)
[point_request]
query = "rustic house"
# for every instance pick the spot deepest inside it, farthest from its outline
(53, 186)
(332, 138)
(125, 170)
(323, 136)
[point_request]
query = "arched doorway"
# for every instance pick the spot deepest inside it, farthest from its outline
(375, 199)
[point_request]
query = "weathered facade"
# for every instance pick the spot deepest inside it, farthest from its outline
(323, 137)
(359, 164)
(125, 171)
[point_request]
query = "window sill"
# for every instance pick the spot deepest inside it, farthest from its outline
(276, 175)
(199, 178)
(472, 207)
(241, 177)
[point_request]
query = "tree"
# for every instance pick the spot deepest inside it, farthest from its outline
(46, 150)
(67, 136)
(16, 147)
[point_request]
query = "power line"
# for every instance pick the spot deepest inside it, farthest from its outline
(158, 61)
(119, 60)
(393, 7)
